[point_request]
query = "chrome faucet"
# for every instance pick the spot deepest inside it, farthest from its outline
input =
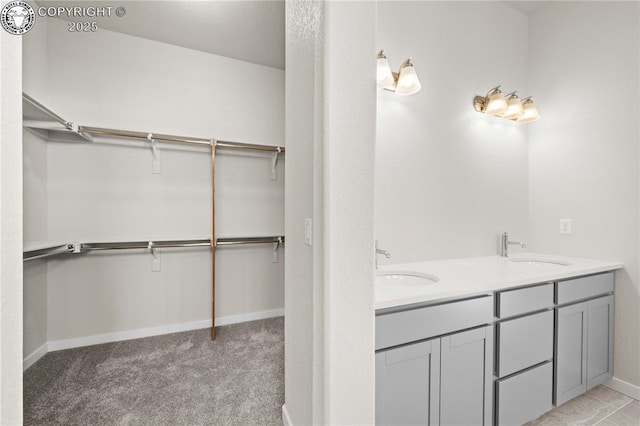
(505, 243)
(380, 251)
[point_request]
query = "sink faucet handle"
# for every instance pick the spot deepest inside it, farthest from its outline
(505, 243)
(378, 251)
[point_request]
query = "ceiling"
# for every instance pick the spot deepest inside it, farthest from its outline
(248, 30)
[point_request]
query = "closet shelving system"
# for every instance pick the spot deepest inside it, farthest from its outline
(44, 122)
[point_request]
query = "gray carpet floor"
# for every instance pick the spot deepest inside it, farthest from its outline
(175, 379)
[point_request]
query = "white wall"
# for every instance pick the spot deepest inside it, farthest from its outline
(584, 156)
(304, 335)
(330, 120)
(10, 229)
(35, 80)
(448, 179)
(349, 136)
(35, 226)
(106, 191)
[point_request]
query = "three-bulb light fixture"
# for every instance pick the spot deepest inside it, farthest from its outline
(507, 106)
(404, 82)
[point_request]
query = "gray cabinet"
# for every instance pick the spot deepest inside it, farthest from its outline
(407, 381)
(524, 354)
(465, 384)
(599, 341)
(434, 363)
(442, 381)
(524, 342)
(571, 352)
(584, 340)
(524, 396)
(520, 301)
(397, 327)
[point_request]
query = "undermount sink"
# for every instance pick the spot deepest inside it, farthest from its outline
(404, 278)
(538, 262)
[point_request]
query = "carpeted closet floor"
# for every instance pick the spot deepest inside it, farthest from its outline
(176, 379)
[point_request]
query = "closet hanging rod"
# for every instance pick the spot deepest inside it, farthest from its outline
(45, 114)
(86, 247)
(249, 240)
(99, 131)
(145, 245)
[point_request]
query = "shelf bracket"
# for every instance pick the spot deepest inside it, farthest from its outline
(276, 246)
(274, 164)
(75, 128)
(155, 264)
(77, 247)
(155, 152)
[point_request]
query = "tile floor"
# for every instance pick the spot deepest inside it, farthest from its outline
(600, 406)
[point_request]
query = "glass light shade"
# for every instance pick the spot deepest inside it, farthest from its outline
(496, 104)
(385, 78)
(529, 113)
(514, 109)
(408, 82)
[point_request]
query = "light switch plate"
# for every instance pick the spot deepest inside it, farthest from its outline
(565, 226)
(308, 231)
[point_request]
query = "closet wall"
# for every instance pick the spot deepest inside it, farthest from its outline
(34, 80)
(107, 191)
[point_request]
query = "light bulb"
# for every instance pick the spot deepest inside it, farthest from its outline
(496, 103)
(385, 78)
(529, 112)
(514, 108)
(408, 82)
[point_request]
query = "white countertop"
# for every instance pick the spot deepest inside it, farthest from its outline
(480, 275)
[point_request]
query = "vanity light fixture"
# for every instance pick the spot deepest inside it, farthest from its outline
(404, 82)
(530, 112)
(494, 103)
(385, 77)
(509, 107)
(514, 107)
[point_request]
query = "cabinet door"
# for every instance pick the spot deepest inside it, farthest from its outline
(407, 381)
(599, 341)
(571, 349)
(466, 377)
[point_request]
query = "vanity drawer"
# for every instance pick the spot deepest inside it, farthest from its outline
(524, 342)
(411, 325)
(525, 396)
(584, 288)
(523, 300)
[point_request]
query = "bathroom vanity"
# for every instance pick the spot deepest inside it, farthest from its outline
(490, 340)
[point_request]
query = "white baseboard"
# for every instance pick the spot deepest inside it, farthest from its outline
(118, 336)
(36, 355)
(97, 339)
(621, 386)
(253, 316)
(286, 420)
